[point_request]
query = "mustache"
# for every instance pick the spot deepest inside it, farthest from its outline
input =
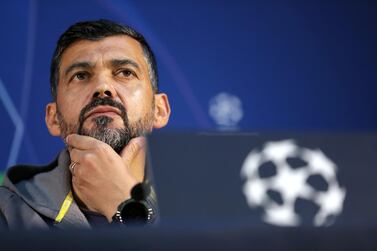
(102, 102)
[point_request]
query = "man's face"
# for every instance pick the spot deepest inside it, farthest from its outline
(104, 91)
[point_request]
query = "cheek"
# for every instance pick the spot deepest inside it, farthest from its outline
(70, 109)
(138, 104)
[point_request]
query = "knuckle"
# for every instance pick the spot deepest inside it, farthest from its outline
(88, 158)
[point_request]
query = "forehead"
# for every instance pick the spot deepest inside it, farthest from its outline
(113, 47)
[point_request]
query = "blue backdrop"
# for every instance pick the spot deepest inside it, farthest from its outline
(290, 65)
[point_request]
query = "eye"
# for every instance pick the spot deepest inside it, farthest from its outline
(80, 75)
(127, 73)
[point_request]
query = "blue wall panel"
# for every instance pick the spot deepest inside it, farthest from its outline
(295, 66)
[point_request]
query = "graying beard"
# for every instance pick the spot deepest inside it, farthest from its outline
(116, 138)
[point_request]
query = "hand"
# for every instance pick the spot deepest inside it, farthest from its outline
(102, 179)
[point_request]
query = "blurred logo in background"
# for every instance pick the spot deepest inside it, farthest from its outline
(292, 185)
(226, 110)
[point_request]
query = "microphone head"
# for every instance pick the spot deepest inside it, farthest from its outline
(140, 191)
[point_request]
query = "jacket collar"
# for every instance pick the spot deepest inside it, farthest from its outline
(45, 189)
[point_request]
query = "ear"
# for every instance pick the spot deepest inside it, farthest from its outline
(51, 119)
(161, 111)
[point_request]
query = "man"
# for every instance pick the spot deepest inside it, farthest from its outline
(105, 99)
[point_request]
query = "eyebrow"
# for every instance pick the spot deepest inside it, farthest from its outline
(121, 62)
(113, 62)
(78, 65)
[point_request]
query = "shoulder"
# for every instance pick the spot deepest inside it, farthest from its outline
(15, 213)
(8, 200)
(6, 195)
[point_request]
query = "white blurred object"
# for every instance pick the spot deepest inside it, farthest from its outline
(226, 109)
(292, 184)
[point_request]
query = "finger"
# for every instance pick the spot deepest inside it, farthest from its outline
(82, 142)
(73, 167)
(133, 148)
(77, 154)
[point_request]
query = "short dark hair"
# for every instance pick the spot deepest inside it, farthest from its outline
(94, 31)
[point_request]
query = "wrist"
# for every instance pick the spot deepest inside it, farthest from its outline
(113, 208)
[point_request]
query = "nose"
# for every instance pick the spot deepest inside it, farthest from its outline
(102, 94)
(104, 91)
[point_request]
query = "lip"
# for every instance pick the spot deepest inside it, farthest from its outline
(102, 110)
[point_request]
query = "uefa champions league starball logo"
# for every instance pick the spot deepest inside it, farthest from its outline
(226, 110)
(281, 174)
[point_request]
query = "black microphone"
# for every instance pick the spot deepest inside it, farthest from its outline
(136, 210)
(140, 191)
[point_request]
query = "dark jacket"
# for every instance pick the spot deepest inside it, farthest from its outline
(31, 197)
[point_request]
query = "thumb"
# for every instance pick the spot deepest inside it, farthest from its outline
(132, 149)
